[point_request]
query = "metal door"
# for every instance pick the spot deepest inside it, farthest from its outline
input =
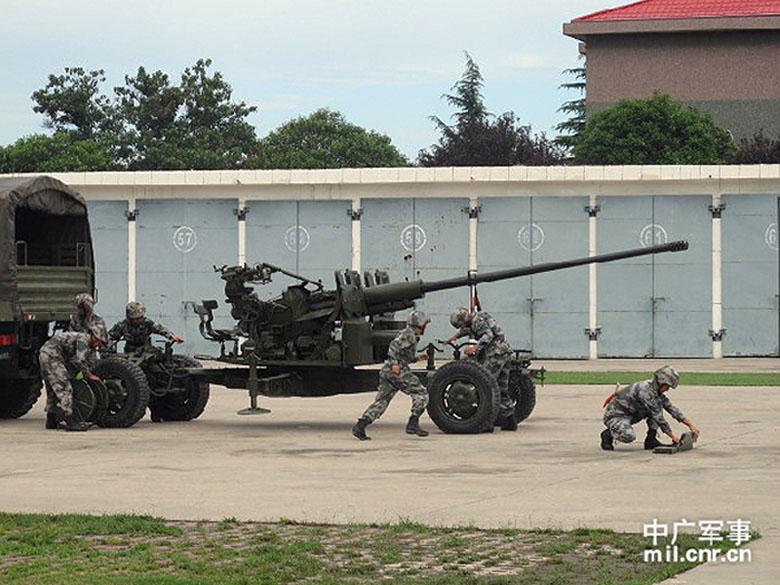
(424, 239)
(657, 305)
(109, 241)
(545, 313)
(178, 243)
(750, 275)
(310, 238)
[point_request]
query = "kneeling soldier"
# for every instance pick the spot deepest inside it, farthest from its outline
(62, 357)
(643, 400)
(395, 375)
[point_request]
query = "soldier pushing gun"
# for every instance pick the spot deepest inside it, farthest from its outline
(65, 355)
(492, 351)
(136, 329)
(395, 375)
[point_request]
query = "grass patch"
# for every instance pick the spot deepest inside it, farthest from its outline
(686, 378)
(130, 550)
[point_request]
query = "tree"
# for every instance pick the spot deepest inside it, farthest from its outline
(62, 152)
(478, 138)
(73, 103)
(326, 140)
(572, 127)
(757, 150)
(655, 130)
(151, 123)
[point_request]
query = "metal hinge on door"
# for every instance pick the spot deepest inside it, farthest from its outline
(655, 301)
(532, 304)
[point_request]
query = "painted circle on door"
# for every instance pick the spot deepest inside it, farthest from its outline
(185, 239)
(413, 238)
(297, 238)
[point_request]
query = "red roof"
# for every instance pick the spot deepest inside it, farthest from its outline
(679, 9)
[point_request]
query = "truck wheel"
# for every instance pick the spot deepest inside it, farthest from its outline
(187, 398)
(127, 389)
(463, 398)
(18, 396)
(523, 391)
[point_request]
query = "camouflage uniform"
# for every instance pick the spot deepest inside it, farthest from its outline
(633, 403)
(493, 352)
(81, 325)
(62, 357)
(402, 352)
(136, 336)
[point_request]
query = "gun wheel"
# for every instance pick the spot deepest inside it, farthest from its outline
(187, 398)
(463, 398)
(18, 396)
(522, 390)
(127, 392)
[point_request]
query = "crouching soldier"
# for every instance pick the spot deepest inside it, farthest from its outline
(61, 358)
(136, 329)
(395, 375)
(643, 400)
(492, 351)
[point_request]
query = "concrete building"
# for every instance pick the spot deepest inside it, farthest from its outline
(157, 236)
(720, 56)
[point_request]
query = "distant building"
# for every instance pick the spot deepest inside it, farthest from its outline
(720, 56)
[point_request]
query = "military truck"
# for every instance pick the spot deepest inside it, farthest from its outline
(45, 260)
(311, 341)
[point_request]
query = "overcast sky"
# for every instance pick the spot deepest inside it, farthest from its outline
(384, 65)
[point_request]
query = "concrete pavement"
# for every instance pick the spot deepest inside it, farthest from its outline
(301, 462)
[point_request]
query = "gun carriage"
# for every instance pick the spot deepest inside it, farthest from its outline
(313, 341)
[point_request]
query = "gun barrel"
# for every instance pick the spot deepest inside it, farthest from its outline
(426, 287)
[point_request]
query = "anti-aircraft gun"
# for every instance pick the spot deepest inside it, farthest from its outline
(311, 341)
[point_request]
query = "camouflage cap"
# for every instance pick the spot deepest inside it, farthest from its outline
(459, 317)
(418, 319)
(98, 328)
(668, 376)
(84, 301)
(135, 310)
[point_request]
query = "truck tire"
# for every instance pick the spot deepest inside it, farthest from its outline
(463, 398)
(128, 392)
(18, 396)
(190, 398)
(522, 390)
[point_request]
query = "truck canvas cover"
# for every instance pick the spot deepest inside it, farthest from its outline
(45, 248)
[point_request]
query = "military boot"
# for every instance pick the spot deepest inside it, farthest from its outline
(606, 440)
(413, 427)
(74, 424)
(509, 422)
(651, 440)
(52, 420)
(359, 430)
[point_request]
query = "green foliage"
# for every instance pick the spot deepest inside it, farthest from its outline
(195, 125)
(572, 127)
(476, 139)
(326, 140)
(73, 103)
(652, 131)
(150, 123)
(62, 152)
(758, 150)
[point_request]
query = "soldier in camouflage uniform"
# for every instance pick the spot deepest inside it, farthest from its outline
(492, 351)
(643, 400)
(85, 315)
(395, 375)
(136, 329)
(62, 357)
